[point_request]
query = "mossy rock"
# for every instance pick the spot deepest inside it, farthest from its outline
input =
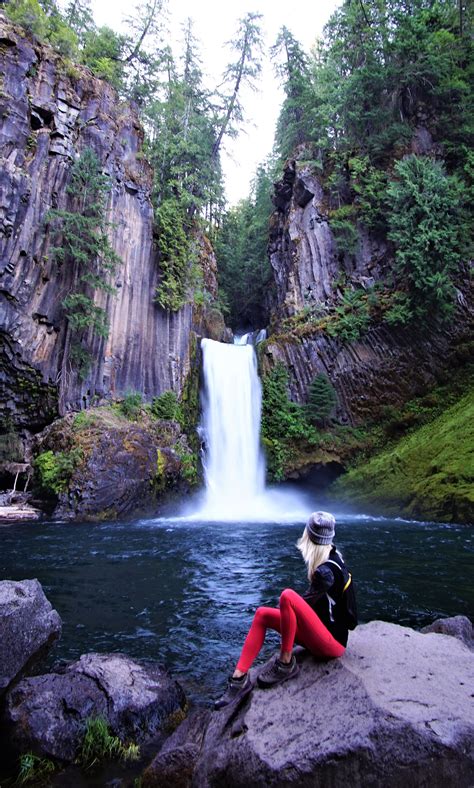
(428, 474)
(123, 467)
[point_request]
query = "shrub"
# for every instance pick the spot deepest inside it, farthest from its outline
(352, 316)
(189, 466)
(55, 469)
(131, 405)
(167, 407)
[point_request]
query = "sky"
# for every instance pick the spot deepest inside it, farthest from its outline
(215, 23)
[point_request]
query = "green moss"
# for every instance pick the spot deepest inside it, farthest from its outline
(159, 479)
(190, 399)
(54, 470)
(429, 473)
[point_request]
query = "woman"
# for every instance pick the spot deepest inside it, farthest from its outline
(315, 620)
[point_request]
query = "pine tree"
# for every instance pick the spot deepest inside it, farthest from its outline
(321, 400)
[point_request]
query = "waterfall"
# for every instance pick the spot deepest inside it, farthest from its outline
(232, 400)
(234, 465)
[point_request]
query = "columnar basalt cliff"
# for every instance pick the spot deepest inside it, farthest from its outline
(50, 112)
(387, 365)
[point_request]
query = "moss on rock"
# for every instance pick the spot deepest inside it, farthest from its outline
(427, 474)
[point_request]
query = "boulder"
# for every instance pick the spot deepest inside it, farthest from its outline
(121, 466)
(28, 626)
(456, 626)
(395, 710)
(47, 714)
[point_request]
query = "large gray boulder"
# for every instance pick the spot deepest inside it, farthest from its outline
(48, 714)
(28, 627)
(396, 710)
(455, 626)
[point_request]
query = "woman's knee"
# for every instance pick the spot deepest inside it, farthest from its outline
(287, 595)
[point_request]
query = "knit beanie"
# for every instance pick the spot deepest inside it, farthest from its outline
(321, 527)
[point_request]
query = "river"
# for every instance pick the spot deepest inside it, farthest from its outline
(183, 592)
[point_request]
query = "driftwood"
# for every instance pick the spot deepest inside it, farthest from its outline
(15, 469)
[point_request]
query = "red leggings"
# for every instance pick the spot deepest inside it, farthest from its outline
(295, 619)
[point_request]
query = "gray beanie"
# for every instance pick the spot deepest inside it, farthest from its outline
(321, 527)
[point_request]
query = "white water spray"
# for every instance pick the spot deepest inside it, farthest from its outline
(234, 465)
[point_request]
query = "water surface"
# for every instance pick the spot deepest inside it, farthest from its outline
(183, 593)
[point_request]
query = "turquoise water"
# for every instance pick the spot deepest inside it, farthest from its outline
(183, 593)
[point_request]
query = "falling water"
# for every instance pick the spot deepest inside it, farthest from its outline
(234, 464)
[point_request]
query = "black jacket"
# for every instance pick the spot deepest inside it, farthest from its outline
(324, 594)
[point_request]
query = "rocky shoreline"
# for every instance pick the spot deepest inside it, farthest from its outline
(395, 709)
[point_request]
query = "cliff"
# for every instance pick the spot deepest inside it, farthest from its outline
(386, 365)
(51, 111)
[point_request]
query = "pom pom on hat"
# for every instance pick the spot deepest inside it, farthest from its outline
(321, 527)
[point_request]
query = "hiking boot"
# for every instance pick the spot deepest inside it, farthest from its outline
(277, 672)
(236, 690)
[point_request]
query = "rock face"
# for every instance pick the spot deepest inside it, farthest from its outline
(47, 714)
(28, 626)
(122, 466)
(303, 252)
(50, 113)
(396, 709)
(388, 365)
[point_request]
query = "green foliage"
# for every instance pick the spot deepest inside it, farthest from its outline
(189, 466)
(241, 250)
(102, 53)
(283, 421)
(34, 769)
(294, 122)
(345, 233)
(131, 405)
(424, 220)
(428, 473)
(79, 356)
(167, 407)
(174, 256)
(399, 311)
(30, 15)
(352, 316)
(321, 399)
(99, 744)
(82, 420)
(83, 233)
(54, 469)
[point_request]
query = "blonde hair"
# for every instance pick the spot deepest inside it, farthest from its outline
(313, 554)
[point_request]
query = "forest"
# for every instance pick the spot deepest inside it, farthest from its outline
(379, 71)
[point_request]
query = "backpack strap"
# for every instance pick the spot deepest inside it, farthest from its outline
(329, 561)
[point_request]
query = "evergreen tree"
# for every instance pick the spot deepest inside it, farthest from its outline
(241, 249)
(425, 225)
(243, 71)
(294, 124)
(82, 231)
(321, 400)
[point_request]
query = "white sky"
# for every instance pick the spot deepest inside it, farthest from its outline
(214, 24)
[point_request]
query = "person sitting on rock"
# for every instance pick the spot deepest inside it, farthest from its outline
(314, 620)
